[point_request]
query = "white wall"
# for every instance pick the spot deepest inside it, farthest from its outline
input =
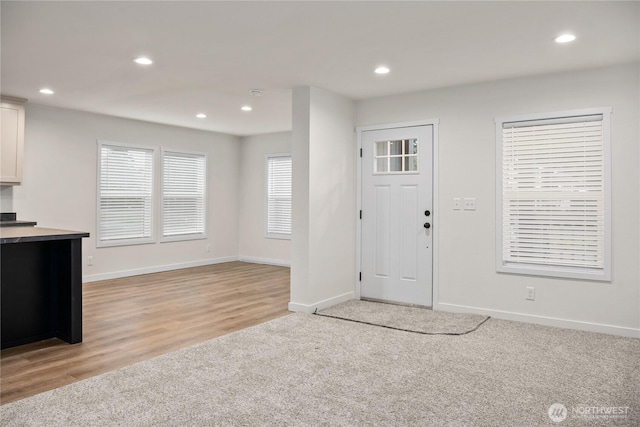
(254, 246)
(59, 187)
(322, 268)
(468, 280)
(6, 198)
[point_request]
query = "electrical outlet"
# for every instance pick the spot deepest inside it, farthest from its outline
(208, 247)
(470, 204)
(89, 260)
(531, 293)
(456, 203)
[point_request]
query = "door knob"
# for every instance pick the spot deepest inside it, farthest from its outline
(427, 225)
(427, 213)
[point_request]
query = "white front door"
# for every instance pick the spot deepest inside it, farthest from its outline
(397, 215)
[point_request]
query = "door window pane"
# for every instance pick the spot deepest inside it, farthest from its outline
(411, 146)
(411, 164)
(395, 164)
(396, 147)
(397, 156)
(381, 165)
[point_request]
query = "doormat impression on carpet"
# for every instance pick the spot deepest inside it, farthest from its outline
(405, 318)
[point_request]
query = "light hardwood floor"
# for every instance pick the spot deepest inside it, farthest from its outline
(136, 318)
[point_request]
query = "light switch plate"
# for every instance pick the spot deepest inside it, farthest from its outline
(470, 204)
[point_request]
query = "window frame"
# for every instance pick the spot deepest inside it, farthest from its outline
(133, 241)
(502, 266)
(191, 236)
(267, 234)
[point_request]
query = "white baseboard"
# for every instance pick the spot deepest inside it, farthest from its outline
(255, 260)
(321, 305)
(543, 320)
(155, 269)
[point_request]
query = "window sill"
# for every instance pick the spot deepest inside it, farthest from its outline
(182, 237)
(601, 275)
(278, 236)
(124, 242)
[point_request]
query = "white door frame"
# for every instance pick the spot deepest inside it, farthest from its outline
(436, 208)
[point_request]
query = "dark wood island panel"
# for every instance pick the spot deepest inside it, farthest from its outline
(41, 284)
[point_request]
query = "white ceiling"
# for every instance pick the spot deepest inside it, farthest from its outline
(209, 54)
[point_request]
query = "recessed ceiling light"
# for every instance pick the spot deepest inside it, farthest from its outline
(255, 92)
(246, 108)
(382, 70)
(143, 60)
(201, 116)
(565, 38)
(46, 91)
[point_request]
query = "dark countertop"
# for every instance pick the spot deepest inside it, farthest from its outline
(9, 219)
(16, 223)
(19, 234)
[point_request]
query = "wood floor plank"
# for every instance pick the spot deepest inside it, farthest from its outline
(136, 318)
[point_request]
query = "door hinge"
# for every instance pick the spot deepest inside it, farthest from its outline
(361, 152)
(361, 276)
(360, 213)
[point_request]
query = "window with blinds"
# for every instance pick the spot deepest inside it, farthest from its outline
(553, 200)
(125, 195)
(278, 221)
(184, 177)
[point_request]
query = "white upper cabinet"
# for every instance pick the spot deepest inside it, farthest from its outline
(12, 142)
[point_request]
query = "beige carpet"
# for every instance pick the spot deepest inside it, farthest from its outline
(305, 370)
(404, 318)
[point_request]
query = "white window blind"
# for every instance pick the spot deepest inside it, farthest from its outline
(279, 196)
(183, 195)
(553, 196)
(125, 195)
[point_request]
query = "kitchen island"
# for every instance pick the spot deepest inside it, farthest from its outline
(41, 284)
